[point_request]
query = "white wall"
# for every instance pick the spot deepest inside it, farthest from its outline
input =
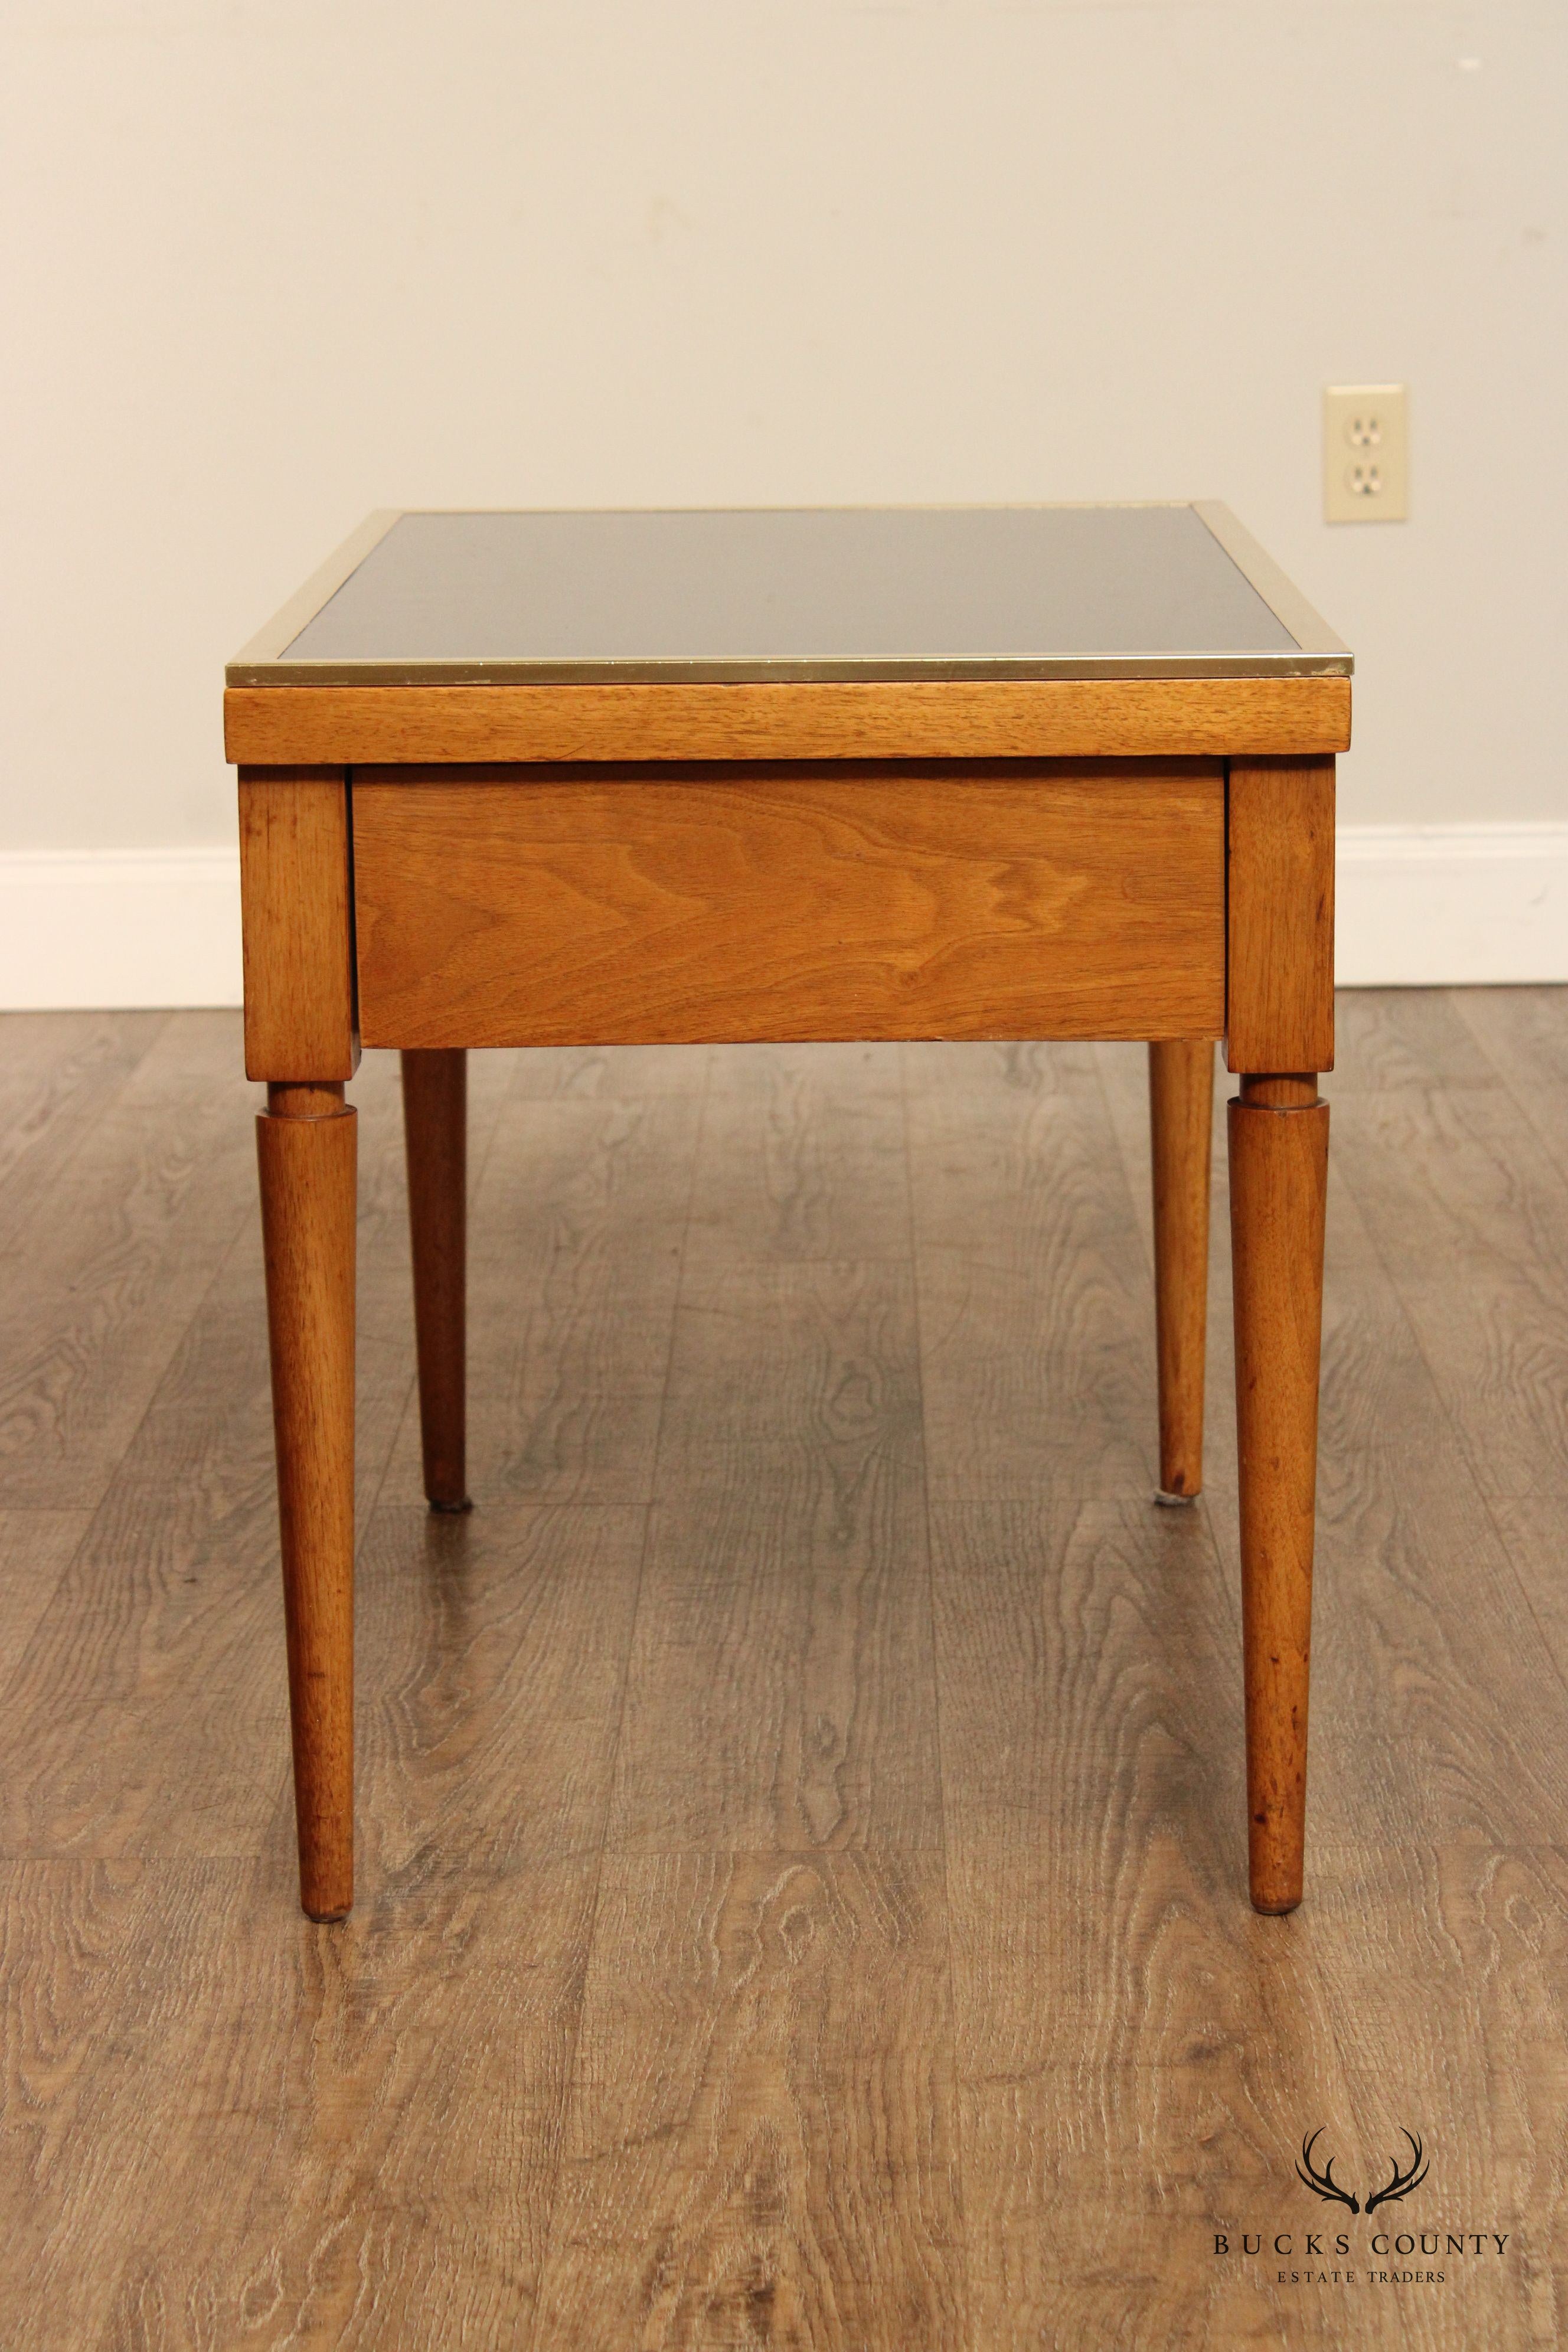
(285, 260)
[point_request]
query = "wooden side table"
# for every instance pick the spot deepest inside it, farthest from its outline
(551, 779)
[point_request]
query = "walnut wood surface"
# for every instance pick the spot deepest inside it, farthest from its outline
(1278, 1179)
(1279, 1012)
(436, 1126)
(298, 959)
(306, 1145)
(1053, 718)
(865, 903)
(1181, 1115)
(530, 2056)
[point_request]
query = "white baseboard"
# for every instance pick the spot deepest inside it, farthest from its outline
(118, 928)
(1425, 905)
(1418, 906)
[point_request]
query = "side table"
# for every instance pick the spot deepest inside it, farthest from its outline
(524, 779)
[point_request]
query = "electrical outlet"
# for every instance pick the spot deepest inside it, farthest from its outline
(1366, 453)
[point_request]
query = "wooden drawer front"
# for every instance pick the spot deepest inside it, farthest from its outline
(542, 907)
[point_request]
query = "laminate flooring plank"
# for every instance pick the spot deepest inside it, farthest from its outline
(58, 1073)
(492, 1660)
(1454, 1183)
(1376, 1392)
(356, 2129)
(1033, 1306)
(828, 1072)
(101, 1967)
(1023, 1179)
(1449, 1967)
(760, 2143)
(1428, 1664)
(802, 1155)
(817, 2079)
(147, 1714)
(34, 1548)
(1388, 1039)
(1377, 1389)
(606, 1073)
(107, 1273)
(1535, 1532)
(1523, 1035)
(425, 2046)
(575, 1237)
(1139, 2056)
(1026, 1067)
(388, 1404)
(1469, 1213)
(782, 1694)
(1122, 1071)
(1089, 1687)
(801, 1378)
(1094, 2199)
(1095, 2186)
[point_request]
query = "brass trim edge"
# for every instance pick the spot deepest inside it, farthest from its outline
(257, 660)
(1278, 590)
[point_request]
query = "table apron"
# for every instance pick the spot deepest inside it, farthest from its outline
(953, 899)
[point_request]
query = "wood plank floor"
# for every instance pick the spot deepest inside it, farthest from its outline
(801, 1840)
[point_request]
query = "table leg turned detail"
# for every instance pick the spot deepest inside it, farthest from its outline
(1278, 1137)
(1181, 1112)
(436, 1133)
(306, 1144)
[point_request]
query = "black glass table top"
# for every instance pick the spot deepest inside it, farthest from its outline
(804, 593)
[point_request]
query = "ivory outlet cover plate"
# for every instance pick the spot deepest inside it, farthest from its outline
(1366, 471)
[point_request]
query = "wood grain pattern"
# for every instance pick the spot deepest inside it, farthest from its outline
(492, 1662)
(1181, 1119)
(1471, 1214)
(1018, 1200)
(1486, 1929)
(802, 1155)
(1409, 1536)
(306, 1143)
(1279, 1012)
(148, 1712)
(1279, 1184)
(1052, 719)
(59, 1075)
(299, 1020)
(997, 2087)
(805, 1374)
(762, 2037)
(390, 2075)
(436, 1130)
(780, 1696)
(1428, 1655)
(109, 1259)
(101, 1963)
(875, 903)
(577, 1232)
(34, 1548)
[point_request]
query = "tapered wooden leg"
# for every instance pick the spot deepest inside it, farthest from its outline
(436, 1131)
(1279, 1133)
(1181, 1111)
(306, 1146)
